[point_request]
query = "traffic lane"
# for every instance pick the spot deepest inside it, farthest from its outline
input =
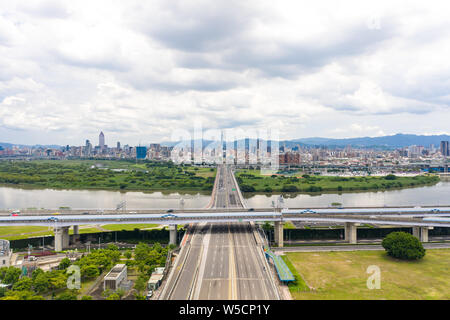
(215, 278)
(186, 279)
(253, 282)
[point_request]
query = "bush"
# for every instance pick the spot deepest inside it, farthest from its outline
(247, 188)
(390, 177)
(289, 188)
(403, 246)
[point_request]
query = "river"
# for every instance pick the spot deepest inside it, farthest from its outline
(17, 198)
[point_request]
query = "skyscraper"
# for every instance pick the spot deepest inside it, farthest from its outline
(101, 140)
(444, 149)
(141, 152)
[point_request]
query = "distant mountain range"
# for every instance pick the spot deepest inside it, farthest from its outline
(385, 142)
(395, 141)
(6, 145)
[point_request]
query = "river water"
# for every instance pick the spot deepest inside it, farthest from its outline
(17, 198)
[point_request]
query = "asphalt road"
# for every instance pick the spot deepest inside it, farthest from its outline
(221, 261)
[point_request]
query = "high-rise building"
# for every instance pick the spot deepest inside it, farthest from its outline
(101, 140)
(88, 148)
(444, 148)
(141, 152)
(118, 145)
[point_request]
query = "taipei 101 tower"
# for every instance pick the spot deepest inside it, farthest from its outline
(101, 140)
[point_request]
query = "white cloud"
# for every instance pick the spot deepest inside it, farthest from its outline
(138, 70)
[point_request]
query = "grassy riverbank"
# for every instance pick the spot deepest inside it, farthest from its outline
(25, 232)
(343, 275)
(252, 181)
(106, 175)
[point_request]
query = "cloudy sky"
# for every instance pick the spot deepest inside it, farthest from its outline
(140, 70)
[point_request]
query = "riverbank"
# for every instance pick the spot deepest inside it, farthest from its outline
(343, 275)
(251, 181)
(145, 176)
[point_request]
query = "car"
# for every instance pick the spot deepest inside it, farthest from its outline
(435, 210)
(149, 294)
(56, 213)
(169, 215)
(251, 210)
(54, 219)
(308, 211)
(85, 212)
(14, 214)
(169, 211)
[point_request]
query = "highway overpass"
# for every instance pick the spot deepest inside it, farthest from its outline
(414, 217)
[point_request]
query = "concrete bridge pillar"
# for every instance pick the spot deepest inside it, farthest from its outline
(278, 233)
(61, 238)
(173, 234)
(421, 233)
(76, 234)
(350, 232)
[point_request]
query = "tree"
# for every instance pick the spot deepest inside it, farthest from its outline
(247, 188)
(113, 296)
(40, 282)
(120, 293)
(64, 264)
(390, 177)
(141, 252)
(289, 188)
(21, 295)
(89, 271)
(70, 295)
(56, 279)
(128, 254)
(403, 246)
(141, 282)
(139, 296)
(23, 284)
(10, 275)
(112, 247)
(35, 273)
(267, 226)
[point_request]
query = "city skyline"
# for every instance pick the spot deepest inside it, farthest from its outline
(144, 70)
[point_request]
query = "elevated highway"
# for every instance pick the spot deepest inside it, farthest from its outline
(221, 260)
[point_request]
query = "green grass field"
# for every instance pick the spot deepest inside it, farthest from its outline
(342, 275)
(103, 175)
(253, 180)
(130, 227)
(25, 232)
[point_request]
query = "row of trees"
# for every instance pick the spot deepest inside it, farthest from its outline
(276, 183)
(61, 174)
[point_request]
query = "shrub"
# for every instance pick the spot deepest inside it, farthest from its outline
(247, 188)
(289, 188)
(403, 246)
